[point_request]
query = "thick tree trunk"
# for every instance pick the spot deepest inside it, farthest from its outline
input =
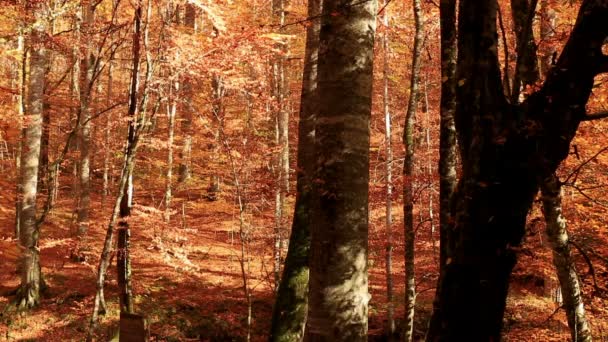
(505, 150)
(28, 294)
(408, 176)
(291, 305)
(390, 328)
(566, 271)
(338, 297)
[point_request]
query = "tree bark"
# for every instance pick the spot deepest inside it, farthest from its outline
(506, 149)
(28, 294)
(185, 154)
(548, 17)
(526, 68)
(447, 138)
(291, 305)
(566, 271)
(338, 297)
(86, 88)
(389, 178)
(408, 176)
(171, 110)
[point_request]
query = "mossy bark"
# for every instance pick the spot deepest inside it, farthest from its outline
(338, 295)
(291, 305)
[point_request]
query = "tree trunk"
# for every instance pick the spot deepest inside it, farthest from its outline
(281, 167)
(566, 271)
(28, 294)
(548, 17)
(447, 138)
(408, 174)
(171, 109)
(526, 68)
(21, 67)
(389, 179)
(505, 150)
(86, 88)
(185, 154)
(107, 150)
(338, 297)
(291, 305)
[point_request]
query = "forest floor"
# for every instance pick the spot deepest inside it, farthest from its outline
(188, 282)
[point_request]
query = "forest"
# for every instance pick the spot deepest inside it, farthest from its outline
(292, 170)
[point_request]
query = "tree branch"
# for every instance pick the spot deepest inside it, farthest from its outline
(595, 116)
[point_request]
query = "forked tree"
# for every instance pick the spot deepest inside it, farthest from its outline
(507, 151)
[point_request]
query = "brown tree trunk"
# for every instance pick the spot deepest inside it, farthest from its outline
(86, 89)
(185, 154)
(408, 176)
(338, 296)
(28, 293)
(291, 305)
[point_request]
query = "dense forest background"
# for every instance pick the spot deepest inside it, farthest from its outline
(200, 102)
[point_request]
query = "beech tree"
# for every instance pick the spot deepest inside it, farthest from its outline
(338, 295)
(506, 151)
(291, 304)
(28, 293)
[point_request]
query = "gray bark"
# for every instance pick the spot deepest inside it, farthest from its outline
(389, 177)
(28, 294)
(338, 296)
(86, 87)
(408, 173)
(564, 264)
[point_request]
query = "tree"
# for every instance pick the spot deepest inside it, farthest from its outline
(551, 189)
(85, 19)
(338, 294)
(28, 293)
(389, 177)
(291, 304)
(408, 175)
(506, 151)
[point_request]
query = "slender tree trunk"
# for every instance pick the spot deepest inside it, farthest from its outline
(185, 154)
(28, 294)
(548, 17)
(447, 141)
(107, 149)
(291, 305)
(338, 297)
(122, 206)
(282, 140)
(566, 272)
(21, 73)
(389, 178)
(171, 109)
(86, 89)
(408, 176)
